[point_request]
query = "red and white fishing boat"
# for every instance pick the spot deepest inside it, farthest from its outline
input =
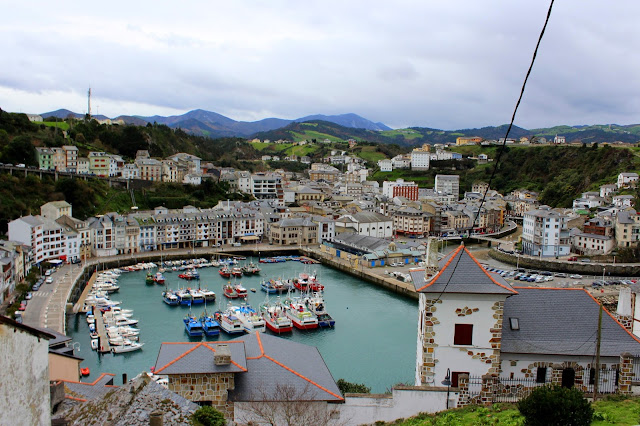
(275, 317)
(225, 272)
(229, 291)
(299, 315)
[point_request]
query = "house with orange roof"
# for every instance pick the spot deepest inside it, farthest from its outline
(476, 329)
(233, 375)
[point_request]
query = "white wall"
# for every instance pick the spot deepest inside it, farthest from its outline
(24, 393)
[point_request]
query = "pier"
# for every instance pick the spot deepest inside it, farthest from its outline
(103, 340)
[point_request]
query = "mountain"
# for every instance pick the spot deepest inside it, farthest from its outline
(346, 120)
(62, 113)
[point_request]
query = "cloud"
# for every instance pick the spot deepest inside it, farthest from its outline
(435, 64)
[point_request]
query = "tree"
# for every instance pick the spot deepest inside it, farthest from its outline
(348, 387)
(208, 416)
(556, 406)
(289, 405)
(20, 150)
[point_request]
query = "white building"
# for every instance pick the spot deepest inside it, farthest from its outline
(130, 171)
(420, 159)
(401, 161)
(623, 200)
(627, 179)
(366, 223)
(448, 184)
(44, 236)
(545, 233)
(385, 165)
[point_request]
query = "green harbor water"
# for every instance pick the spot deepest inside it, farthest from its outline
(373, 341)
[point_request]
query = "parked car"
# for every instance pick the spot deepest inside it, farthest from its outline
(572, 259)
(561, 275)
(28, 296)
(49, 280)
(576, 276)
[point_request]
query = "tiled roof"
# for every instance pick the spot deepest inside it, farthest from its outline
(561, 321)
(99, 388)
(197, 358)
(460, 272)
(274, 363)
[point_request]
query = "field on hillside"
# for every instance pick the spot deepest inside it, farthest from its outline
(60, 125)
(369, 153)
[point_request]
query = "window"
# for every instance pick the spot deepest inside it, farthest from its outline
(592, 376)
(514, 323)
(541, 375)
(463, 334)
(454, 377)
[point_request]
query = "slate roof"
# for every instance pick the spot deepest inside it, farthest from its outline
(460, 272)
(273, 361)
(85, 391)
(561, 321)
(197, 358)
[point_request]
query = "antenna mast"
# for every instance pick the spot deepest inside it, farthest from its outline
(89, 103)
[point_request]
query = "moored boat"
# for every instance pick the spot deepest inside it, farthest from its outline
(170, 298)
(210, 326)
(240, 290)
(149, 279)
(184, 296)
(193, 326)
(275, 318)
(209, 295)
(229, 291)
(250, 319)
(236, 271)
(229, 322)
(196, 296)
(225, 272)
(316, 305)
(127, 347)
(301, 317)
(159, 278)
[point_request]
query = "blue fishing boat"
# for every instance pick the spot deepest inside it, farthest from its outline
(193, 326)
(170, 298)
(210, 325)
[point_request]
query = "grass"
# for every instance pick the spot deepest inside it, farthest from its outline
(369, 153)
(407, 134)
(60, 124)
(311, 134)
(614, 410)
(259, 146)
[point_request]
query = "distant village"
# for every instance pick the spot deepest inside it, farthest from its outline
(332, 204)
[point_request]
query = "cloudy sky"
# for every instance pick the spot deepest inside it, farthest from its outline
(441, 64)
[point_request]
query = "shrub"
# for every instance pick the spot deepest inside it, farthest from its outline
(208, 416)
(555, 405)
(348, 387)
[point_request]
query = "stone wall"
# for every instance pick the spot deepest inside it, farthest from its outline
(428, 343)
(555, 265)
(205, 387)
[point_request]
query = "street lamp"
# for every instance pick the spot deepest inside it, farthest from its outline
(447, 381)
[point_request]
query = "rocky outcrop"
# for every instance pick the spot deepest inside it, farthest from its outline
(130, 405)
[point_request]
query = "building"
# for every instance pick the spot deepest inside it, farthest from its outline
(545, 233)
(385, 165)
(55, 209)
(24, 363)
(71, 158)
(623, 200)
(420, 158)
(130, 171)
(400, 188)
(559, 140)
(296, 231)
(150, 169)
(411, 222)
(230, 376)
(45, 158)
(267, 187)
(43, 235)
(608, 189)
(366, 223)
(99, 163)
(83, 166)
(475, 329)
(626, 180)
(467, 140)
(448, 184)
(627, 228)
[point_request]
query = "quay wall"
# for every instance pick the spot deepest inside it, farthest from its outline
(574, 267)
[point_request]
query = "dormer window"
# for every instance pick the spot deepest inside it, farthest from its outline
(514, 323)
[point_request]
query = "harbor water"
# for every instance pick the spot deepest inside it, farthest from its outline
(373, 341)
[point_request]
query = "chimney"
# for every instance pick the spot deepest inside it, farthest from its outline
(222, 356)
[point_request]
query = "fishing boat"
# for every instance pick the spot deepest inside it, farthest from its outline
(229, 322)
(210, 326)
(127, 347)
(196, 296)
(159, 278)
(236, 271)
(275, 318)
(299, 315)
(225, 272)
(250, 319)
(209, 295)
(315, 303)
(313, 283)
(193, 326)
(272, 286)
(149, 279)
(170, 298)
(94, 344)
(229, 291)
(85, 371)
(240, 290)
(191, 274)
(184, 296)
